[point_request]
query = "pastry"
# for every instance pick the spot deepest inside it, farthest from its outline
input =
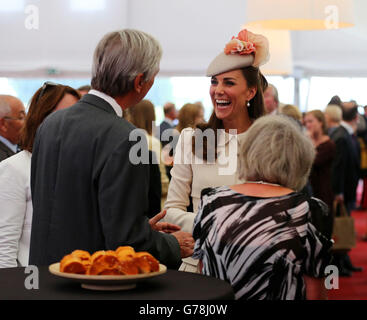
(104, 263)
(125, 250)
(146, 262)
(72, 264)
(82, 255)
(123, 261)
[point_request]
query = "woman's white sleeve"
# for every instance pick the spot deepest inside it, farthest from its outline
(13, 204)
(178, 197)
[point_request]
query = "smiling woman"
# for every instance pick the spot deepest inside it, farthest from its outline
(236, 92)
(230, 93)
(237, 97)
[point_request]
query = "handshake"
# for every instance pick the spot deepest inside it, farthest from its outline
(185, 239)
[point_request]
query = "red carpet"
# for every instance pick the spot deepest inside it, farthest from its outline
(355, 287)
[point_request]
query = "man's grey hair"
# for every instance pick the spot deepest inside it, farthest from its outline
(5, 109)
(276, 151)
(120, 56)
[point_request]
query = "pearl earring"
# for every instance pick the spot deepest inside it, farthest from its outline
(248, 104)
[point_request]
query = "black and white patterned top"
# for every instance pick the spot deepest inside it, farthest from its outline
(261, 246)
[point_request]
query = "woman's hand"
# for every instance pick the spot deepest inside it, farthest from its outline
(163, 226)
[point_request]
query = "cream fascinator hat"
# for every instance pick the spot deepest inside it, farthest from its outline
(247, 49)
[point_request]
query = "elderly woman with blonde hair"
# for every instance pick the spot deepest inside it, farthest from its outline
(258, 235)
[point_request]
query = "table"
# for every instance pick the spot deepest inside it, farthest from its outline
(173, 285)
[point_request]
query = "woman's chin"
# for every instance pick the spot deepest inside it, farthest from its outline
(223, 113)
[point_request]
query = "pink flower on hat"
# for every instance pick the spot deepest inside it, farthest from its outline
(240, 44)
(247, 42)
(237, 46)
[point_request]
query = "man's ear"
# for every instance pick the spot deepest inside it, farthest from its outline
(3, 127)
(138, 82)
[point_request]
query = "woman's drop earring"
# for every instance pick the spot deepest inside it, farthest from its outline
(248, 104)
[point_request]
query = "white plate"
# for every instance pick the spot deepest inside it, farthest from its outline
(95, 282)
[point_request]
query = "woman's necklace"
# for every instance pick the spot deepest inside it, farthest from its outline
(262, 182)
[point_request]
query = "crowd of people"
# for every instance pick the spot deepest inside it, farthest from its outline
(248, 196)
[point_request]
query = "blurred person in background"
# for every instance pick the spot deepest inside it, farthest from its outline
(335, 100)
(333, 116)
(170, 115)
(271, 99)
(201, 106)
(345, 174)
(167, 133)
(361, 125)
(295, 114)
(12, 115)
(189, 116)
(142, 115)
(363, 145)
(15, 175)
(364, 169)
(346, 165)
(320, 176)
(292, 111)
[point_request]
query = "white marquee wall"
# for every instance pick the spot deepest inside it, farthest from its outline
(191, 32)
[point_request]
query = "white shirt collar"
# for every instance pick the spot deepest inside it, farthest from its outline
(12, 147)
(348, 127)
(108, 99)
(169, 121)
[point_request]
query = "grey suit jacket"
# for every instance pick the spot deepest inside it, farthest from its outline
(86, 193)
(5, 152)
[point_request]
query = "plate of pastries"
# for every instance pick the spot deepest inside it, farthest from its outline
(108, 270)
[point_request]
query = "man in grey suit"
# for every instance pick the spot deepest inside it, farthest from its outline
(87, 193)
(12, 115)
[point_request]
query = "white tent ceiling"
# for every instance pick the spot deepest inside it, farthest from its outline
(191, 32)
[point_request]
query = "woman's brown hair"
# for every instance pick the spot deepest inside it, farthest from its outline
(43, 102)
(142, 115)
(187, 116)
(256, 109)
(319, 115)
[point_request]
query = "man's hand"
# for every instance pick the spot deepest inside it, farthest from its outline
(186, 242)
(163, 226)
